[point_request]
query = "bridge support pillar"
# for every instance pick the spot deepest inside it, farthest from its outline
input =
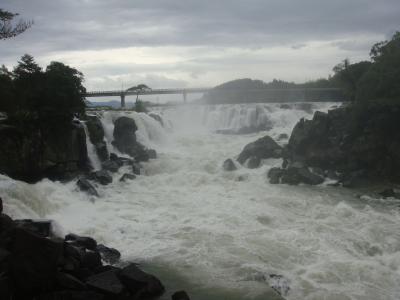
(122, 100)
(184, 96)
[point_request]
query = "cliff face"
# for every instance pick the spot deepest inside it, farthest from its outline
(31, 155)
(359, 141)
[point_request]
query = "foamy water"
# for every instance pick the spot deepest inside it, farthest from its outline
(228, 230)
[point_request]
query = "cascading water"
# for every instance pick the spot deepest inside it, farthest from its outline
(91, 150)
(220, 235)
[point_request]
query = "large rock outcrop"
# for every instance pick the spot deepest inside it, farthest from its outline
(96, 135)
(262, 148)
(36, 153)
(125, 140)
(36, 264)
(357, 144)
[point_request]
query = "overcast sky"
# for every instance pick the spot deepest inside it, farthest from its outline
(193, 43)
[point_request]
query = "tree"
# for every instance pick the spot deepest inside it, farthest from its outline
(49, 97)
(63, 90)
(138, 89)
(8, 29)
(348, 75)
(7, 91)
(26, 66)
(382, 81)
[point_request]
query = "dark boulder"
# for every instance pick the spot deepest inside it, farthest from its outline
(101, 176)
(140, 283)
(39, 227)
(106, 282)
(295, 175)
(68, 282)
(72, 295)
(82, 241)
(152, 154)
(85, 186)
(390, 193)
(34, 262)
(125, 138)
(253, 162)
(229, 165)
(262, 148)
(111, 165)
(180, 295)
(91, 260)
(126, 177)
(121, 161)
(274, 175)
(6, 290)
(96, 135)
(136, 167)
(109, 255)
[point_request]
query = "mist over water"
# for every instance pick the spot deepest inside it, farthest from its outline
(227, 231)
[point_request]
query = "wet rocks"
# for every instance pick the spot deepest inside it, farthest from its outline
(36, 267)
(96, 135)
(40, 227)
(293, 175)
(111, 165)
(107, 283)
(151, 153)
(141, 283)
(101, 176)
(31, 155)
(390, 193)
(359, 142)
(127, 177)
(262, 148)
(275, 175)
(253, 162)
(136, 167)
(229, 165)
(85, 186)
(180, 295)
(109, 255)
(125, 140)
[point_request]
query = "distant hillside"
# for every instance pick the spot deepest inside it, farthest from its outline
(248, 90)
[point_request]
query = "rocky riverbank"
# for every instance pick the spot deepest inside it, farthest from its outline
(61, 153)
(37, 264)
(353, 146)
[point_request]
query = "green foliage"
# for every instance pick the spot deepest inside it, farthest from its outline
(377, 79)
(7, 28)
(30, 94)
(348, 75)
(383, 77)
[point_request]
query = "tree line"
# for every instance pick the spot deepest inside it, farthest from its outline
(30, 94)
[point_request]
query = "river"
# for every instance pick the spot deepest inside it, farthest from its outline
(221, 235)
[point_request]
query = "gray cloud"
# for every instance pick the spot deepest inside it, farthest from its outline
(78, 25)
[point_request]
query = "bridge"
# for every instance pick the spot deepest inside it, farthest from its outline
(258, 95)
(124, 93)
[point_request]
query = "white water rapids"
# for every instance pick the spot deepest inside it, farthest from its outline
(213, 230)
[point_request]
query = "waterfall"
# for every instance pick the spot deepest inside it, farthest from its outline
(91, 150)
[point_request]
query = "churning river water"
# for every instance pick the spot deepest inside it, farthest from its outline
(221, 235)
